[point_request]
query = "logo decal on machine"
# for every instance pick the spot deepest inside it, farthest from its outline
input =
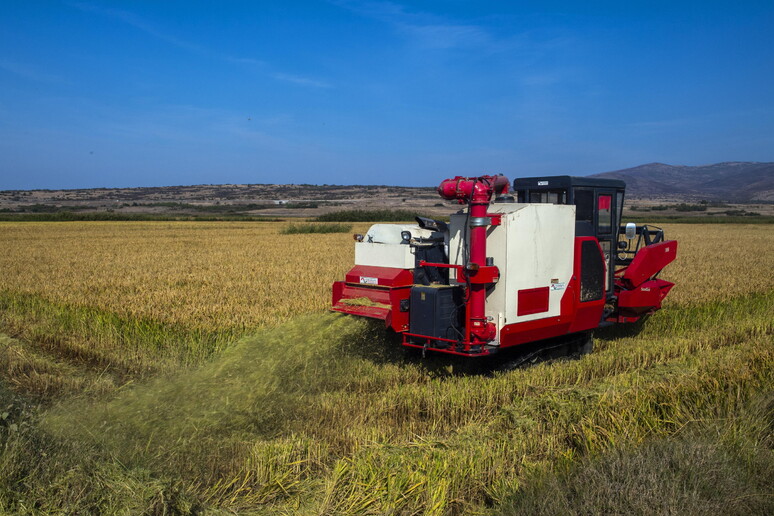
(365, 280)
(557, 285)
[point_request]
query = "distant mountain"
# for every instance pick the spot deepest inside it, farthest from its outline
(732, 181)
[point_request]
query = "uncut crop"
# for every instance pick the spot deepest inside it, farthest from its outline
(139, 379)
(226, 275)
(139, 297)
(202, 275)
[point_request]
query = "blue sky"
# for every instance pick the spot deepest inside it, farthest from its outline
(146, 93)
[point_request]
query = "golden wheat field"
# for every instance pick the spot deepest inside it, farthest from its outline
(210, 275)
(236, 274)
(193, 368)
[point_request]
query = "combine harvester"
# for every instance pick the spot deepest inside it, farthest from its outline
(550, 265)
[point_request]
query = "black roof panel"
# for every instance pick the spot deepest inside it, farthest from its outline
(565, 182)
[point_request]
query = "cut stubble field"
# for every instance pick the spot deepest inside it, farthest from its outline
(192, 366)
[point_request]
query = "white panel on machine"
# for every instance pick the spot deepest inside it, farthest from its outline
(382, 247)
(533, 247)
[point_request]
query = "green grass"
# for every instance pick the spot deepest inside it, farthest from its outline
(698, 219)
(324, 415)
(369, 216)
(69, 216)
(296, 229)
(41, 208)
(71, 350)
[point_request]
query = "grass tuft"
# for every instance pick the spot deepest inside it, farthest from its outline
(296, 229)
(719, 466)
(110, 216)
(368, 216)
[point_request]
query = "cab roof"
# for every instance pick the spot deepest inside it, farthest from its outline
(557, 182)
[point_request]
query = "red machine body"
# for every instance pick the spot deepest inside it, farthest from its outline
(444, 289)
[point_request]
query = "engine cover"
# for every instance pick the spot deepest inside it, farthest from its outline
(436, 311)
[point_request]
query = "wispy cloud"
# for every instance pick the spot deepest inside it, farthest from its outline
(426, 29)
(30, 72)
(189, 125)
(547, 78)
(707, 119)
(446, 36)
(245, 61)
(663, 124)
(143, 25)
(138, 23)
(297, 79)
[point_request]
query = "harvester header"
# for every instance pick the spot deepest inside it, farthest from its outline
(551, 262)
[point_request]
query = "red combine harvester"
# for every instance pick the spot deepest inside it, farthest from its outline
(553, 262)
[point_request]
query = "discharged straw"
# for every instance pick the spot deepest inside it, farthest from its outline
(255, 390)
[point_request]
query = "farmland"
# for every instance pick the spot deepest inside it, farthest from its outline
(180, 367)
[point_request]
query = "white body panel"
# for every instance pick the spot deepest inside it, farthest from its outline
(390, 233)
(382, 246)
(399, 256)
(533, 248)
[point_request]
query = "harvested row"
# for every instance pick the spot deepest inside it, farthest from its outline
(320, 415)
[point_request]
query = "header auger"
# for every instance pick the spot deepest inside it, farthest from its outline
(549, 260)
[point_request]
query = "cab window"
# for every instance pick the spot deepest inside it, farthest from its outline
(604, 207)
(548, 196)
(584, 205)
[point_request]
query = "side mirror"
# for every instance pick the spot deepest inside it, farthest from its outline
(631, 230)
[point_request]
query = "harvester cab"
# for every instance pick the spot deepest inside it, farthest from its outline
(550, 261)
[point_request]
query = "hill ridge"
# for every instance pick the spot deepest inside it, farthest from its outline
(733, 181)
